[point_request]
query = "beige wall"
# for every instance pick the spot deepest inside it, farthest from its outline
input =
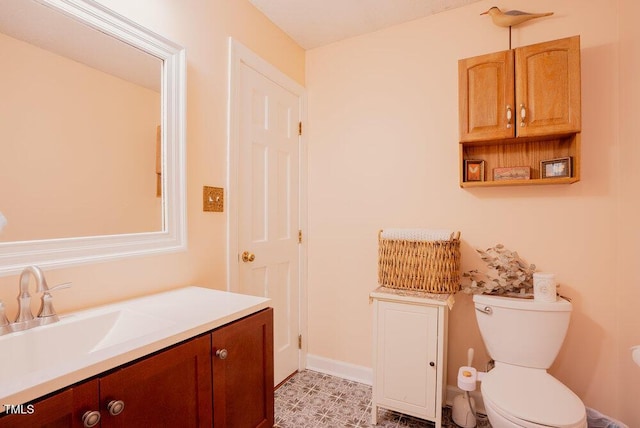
(79, 148)
(628, 296)
(383, 152)
(203, 27)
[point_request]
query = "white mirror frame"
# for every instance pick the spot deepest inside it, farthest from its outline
(56, 253)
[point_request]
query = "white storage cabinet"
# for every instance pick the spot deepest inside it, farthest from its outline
(409, 353)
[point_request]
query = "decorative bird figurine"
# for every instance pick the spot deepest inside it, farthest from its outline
(511, 17)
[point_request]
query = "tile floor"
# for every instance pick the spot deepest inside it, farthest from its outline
(312, 399)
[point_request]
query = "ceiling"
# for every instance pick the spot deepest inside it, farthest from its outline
(51, 30)
(314, 23)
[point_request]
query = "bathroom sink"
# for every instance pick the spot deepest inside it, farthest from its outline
(41, 360)
(72, 338)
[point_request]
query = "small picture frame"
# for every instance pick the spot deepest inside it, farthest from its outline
(512, 173)
(473, 170)
(556, 168)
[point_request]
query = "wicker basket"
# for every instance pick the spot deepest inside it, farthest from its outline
(431, 266)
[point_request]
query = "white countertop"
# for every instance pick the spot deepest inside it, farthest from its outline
(188, 312)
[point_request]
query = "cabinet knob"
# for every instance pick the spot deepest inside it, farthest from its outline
(432, 364)
(91, 418)
(523, 114)
(509, 116)
(222, 354)
(115, 407)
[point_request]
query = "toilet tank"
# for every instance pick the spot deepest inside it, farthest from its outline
(522, 331)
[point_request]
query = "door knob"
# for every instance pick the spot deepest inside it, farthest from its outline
(248, 257)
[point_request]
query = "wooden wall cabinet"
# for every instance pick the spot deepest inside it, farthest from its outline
(521, 106)
(175, 387)
(410, 342)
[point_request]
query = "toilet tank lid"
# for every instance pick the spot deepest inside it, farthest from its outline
(560, 305)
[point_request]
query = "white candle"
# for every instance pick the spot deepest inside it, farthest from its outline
(544, 287)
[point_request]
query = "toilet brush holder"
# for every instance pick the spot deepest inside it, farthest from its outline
(463, 409)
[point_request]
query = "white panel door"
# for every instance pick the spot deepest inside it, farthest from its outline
(407, 344)
(268, 187)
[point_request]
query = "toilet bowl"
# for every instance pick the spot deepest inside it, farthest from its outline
(524, 397)
(524, 337)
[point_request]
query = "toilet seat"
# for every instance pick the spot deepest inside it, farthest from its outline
(532, 398)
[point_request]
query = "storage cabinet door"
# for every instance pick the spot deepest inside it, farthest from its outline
(169, 389)
(62, 410)
(486, 109)
(407, 357)
(548, 88)
(243, 372)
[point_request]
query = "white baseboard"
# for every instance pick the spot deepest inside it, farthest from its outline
(365, 375)
(453, 391)
(340, 368)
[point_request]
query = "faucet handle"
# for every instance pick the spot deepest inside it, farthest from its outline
(47, 314)
(4, 322)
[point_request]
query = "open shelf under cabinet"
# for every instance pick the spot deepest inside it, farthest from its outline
(521, 152)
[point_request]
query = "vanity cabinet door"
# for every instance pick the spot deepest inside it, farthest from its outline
(61, 410)
(243, 372)
(169, 389)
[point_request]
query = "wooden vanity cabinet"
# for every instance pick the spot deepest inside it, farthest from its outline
(517, 106)
(243, 372)
(192, 384)
(171, 388)
(61, 410)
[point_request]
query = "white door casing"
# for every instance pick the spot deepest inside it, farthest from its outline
(266, 195)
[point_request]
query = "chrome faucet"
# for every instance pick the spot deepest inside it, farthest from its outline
(47, 314)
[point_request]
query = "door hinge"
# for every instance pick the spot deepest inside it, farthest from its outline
(299, 341)
(299, 236)
(299, 128)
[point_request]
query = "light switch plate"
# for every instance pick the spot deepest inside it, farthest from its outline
(213, 199)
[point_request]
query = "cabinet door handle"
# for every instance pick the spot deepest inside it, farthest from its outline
(222, 354)
(91, 418)
(509, 116)
(523, 114)
(115, 407)
(432, 364)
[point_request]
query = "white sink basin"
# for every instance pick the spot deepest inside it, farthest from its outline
(72, 338)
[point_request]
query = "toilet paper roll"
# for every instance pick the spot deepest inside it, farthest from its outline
(467, 378)
(544, 287)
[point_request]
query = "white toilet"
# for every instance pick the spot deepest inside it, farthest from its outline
(524, 336)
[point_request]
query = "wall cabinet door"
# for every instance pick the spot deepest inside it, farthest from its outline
(548, 88)
(62, 410)
(243, 372)
(486, 97)
(169, 389)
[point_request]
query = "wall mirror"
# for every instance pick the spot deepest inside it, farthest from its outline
(92, 136)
